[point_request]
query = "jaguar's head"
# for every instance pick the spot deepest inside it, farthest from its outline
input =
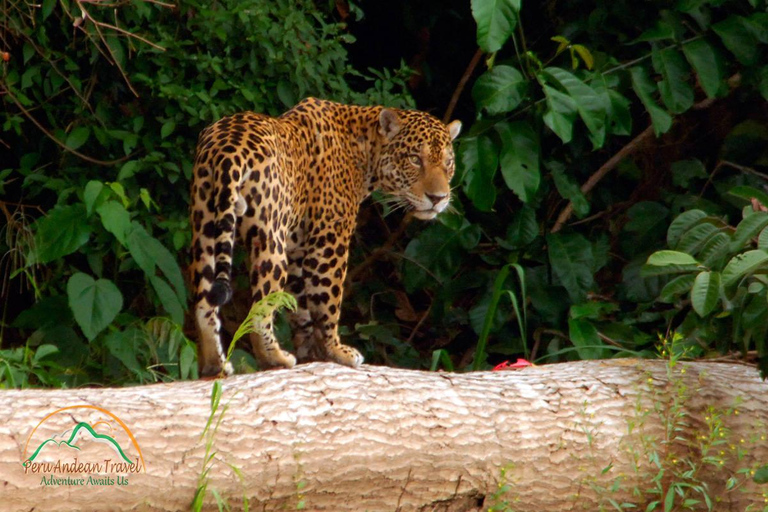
(416, 161)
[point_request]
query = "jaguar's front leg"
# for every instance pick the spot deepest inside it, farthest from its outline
(325, 266)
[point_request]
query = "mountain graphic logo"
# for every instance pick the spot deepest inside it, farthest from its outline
(75, 430)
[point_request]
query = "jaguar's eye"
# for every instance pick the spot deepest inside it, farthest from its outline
(415, 160)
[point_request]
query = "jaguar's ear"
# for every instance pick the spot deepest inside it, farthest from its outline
(454, 128)
(389, 123)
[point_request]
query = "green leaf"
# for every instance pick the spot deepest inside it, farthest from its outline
(570, 255)
(708, 63)
(522, 230)
(63, 231)
(715, 250)
(644, 88)
(479, 157)
(92, 191)
(665, 258)
(584, 336)
(762, 240)
(619, 116)
(684, 171)
(94, 303)
(705, 293)
(738, 38)
(168, 299)
(761, 475)
(149, 254)
(519, 158)
(747, 229)
(677, 286)
(122, 345)
(742, 265)
(569, 189)
(695, 238)
(48, 6)
(676, 92)
(167, 128)
(499, 89)
(115, 219)
(560, 114)
(681, 224)
(78, 137)
(589, 104)
(44, 351)
(748, 193)
(496, 21)
(669, 499)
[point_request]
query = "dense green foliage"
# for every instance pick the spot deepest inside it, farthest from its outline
(102, 109)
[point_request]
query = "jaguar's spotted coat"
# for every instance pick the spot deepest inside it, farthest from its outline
(291, 187)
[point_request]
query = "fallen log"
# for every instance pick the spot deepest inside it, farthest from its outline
(575, 436)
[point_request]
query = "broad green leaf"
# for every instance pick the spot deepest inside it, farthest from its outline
(715, 251)
(705, 293)
(522, 230)
(480, 158)
(676, 92)
(92, 190)
(738, 38)
(761, 475)
(44, 351)
(560, 114)
(677, 286)
(666, 258)
(570, 255)
(123, 345)
(499, 89)
(619, 116)
(748, 193)
(742, 265)
(589, 105)
(683, 171)
(149, 254)
(496, 21)
(569, 189)
(681, 224)
(585, 55)
(63, 231)
(644, 88)
(747, 229)
(696, 237)
(708, 63)
(519, 158)
(167, 128)
(168, 299)
(48, 6)
(78, 137)
(762, 240)
(115, 219)
(94, 303)
(661, 31)
(584, 336)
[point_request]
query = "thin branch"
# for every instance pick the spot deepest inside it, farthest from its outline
(106, 163)
(462, 83)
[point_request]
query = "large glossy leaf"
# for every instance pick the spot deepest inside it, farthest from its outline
(519, 158)
(560, 114)
(748, 228)
(666, 258)
(676, 92)
(742, 265)
(705, 293)
(681, 224)
(676, 287)
(78, 137)
(522, 230)
(585, 338)
(168, 299)
(149, 254)
(569, 189)
(714, 252)
(590, 106)
(63, 231)
(115, 219)
(644, 88)
(696, 237)
(94, 303)
(570, 255)
(496, 21)
(499, 89)
(479, 157)
(738, 37)
(707, 60)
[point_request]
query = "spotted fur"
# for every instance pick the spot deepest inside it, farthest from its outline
(291, 188)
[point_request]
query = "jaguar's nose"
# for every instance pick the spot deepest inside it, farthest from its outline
(435, 198)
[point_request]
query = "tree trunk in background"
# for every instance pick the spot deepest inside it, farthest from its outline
(327, 437)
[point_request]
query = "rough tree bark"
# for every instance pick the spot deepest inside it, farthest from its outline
(326, 437)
